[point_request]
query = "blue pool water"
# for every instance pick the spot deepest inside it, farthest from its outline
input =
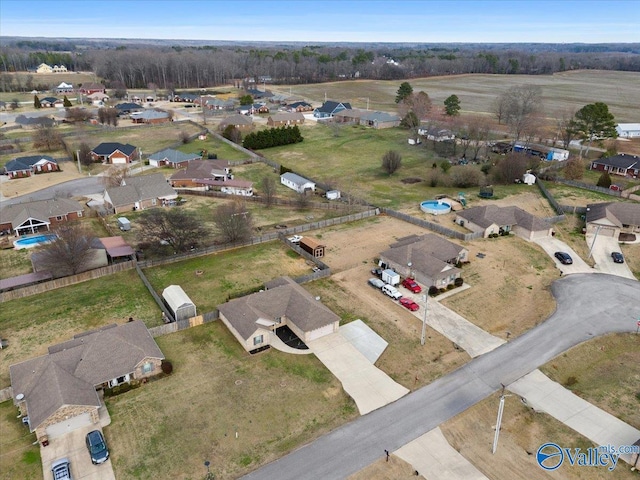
(435, 207)
(28, 242)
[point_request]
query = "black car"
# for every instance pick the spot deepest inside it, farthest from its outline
(617, 257)
(377, 272)
(564, 258)
(97, 447)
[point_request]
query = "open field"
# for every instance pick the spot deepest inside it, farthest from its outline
(560, 92)
(34, 323)
(522, 433)
(605, 372)
(228, 273)
(275, 402)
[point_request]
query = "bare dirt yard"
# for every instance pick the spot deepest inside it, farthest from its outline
(24, 186)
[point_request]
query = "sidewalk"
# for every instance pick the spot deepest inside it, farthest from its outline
(543, 394)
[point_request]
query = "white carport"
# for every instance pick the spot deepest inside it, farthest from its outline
(179, 303)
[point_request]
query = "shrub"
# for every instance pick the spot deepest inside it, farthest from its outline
(451, 286)
(167, 367)
(570, 381)
(458, 282)
(433, 291)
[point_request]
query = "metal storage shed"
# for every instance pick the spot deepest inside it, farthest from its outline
(179, 303)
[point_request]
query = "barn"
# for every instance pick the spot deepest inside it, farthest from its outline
(178, 302)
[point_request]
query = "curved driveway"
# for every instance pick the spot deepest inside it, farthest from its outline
(589, 305)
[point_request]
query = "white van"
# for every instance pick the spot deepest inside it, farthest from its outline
(391, 291)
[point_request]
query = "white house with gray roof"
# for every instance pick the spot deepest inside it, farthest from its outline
(253, 319)
(297, 183)
(138, 193)
(613, 219)
(491, 219)
(628, 130)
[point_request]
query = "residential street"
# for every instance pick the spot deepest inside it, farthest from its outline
(581, 315)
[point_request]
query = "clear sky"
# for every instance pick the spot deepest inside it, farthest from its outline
(559, 21)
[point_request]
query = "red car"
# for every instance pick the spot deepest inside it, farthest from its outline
(410, 304)
(411, 284)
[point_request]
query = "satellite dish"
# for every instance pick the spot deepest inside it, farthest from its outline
(318, 298)
(20, 396)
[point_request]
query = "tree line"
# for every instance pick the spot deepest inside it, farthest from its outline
(131, 66)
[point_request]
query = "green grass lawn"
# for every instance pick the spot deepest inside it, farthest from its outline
(18, 457)
(34, 323)
(275, 402)
(214, 145)
(228, 273)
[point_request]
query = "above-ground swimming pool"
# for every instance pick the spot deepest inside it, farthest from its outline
(435, 207)
(33, 241)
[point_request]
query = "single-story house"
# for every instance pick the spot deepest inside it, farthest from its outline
(430, 259)
(64, 88)
(621, 164)
(58, 391)
(219, 104)
(436, 134)
(138, 193)
(35, 122)
(243, 188)
(299, 107)
(127, 108)
(368, 118)
(49, 102)
(491, 219)
(297, 183)
(179, 303)
(185, 97)
(113, 152)
(312, 246)
(30, 217)
(628, 130)
(254, 319)
(253, 109)
(282, 119)
(330, 108)
(243, 123)
(198, 171)
(259, 93)
(98, 98)
(612, 219)
(172, 158)
(150, 117)
(21, 167)
(90, 88)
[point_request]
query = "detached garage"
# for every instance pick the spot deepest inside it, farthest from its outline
(179, 303)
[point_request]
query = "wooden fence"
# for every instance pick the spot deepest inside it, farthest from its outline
(6, 394)
(434, 227)
(65, 281)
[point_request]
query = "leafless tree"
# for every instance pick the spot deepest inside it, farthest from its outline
(84, 154)
(566, 126)
(115, 174)
(510, 167)
(184, 136)
(179, 229)
(78, 114)
(70, 253)
(302, 201)
(574, 169)
(466, 176)
(520, 105)
(47, 139)
(233, 222)
(391, 161)
(413, 110)
(268, 187)
(499, 107)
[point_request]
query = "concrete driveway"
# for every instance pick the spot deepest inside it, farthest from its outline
(601, 253)
(72, 445)
(551, 245)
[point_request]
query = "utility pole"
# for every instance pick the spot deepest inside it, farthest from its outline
(78, 158)
(424, 321)
(499, 420)
(594, 241)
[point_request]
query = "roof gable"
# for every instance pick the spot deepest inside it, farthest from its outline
(621, 160)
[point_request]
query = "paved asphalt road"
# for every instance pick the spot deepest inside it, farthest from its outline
(72, 188)
(589, 305)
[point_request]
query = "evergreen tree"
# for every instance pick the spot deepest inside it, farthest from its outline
(452, 105)
(66, 103)
(404, 91)
(36, 102)
(605, 180)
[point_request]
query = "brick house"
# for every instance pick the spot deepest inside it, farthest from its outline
(31, 217)
(282, 119)
(58, 392)
(622, 164)
(116, 153)
(21, 167)
(139, 193)
(491, 219)
(243, 123)
(92, 88)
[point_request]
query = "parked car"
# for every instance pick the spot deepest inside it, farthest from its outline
(564, 258)
(617, 257)
(411, 284)
(410, 304)
(377, 272)
(295, 239)
(61, 469)
(97, 447)
(376, 283)
(391, 291)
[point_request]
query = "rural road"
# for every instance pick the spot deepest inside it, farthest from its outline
(589, 305)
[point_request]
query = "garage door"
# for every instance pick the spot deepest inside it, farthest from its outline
(118, 160)
(607, 232)
(320, 332)
(60, 428)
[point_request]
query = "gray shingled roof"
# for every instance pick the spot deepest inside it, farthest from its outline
(108, 148)
(69, 373)
(295, 178)
(289, 300)
(174, 156)
(287, 116)
(491, 214)
(427, 254)
(619, 213)
(621, 160)
(143, 187)
(200, 170)
(40, 209)
(236, 120)
(26, 163)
